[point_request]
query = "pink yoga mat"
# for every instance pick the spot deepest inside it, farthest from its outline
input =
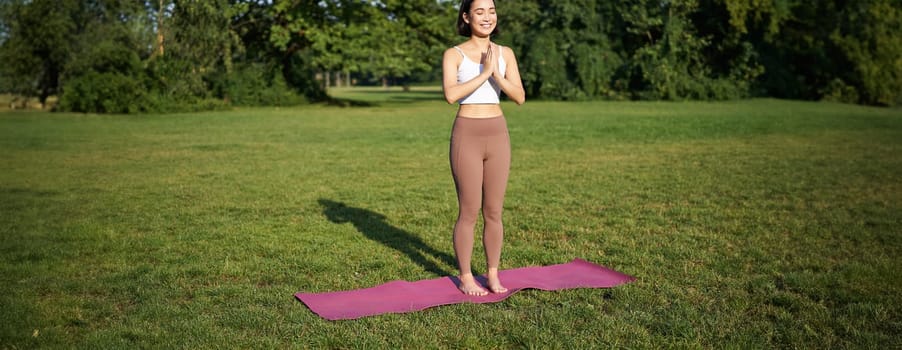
(403, 296)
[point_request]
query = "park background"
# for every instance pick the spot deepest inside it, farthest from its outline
(113, 56)
(182, 168)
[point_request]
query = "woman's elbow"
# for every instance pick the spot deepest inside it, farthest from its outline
(518, 96)
(448, 96)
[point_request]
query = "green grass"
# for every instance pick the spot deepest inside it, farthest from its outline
(749, 224)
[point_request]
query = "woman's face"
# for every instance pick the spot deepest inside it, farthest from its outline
(482, 18)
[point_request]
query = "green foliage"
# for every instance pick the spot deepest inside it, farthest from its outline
(546, 67)
(640, 49)
(199, 34)
(106, 77)
(300, 74)
(838, 91)
(563, 49)
(673, 67)
(36, 44)
(257, 85)
(763, 17)
(170, 78)
(709, 49)
(103, 57)
(392, 39)
(836, 50)
(595, 66)
(870, 39)
(248, 52)
(104, 92)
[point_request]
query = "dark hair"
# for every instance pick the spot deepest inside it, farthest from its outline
(463, 28)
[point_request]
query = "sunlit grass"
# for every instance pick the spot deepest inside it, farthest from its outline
(751, 224)
(10, 102)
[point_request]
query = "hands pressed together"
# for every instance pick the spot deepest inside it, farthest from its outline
(490, 62)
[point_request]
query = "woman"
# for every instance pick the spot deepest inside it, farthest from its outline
(473, 74)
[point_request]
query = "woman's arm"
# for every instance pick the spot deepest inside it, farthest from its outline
(455, 91)
(510, 83)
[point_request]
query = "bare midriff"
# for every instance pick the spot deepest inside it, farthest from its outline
(479, 110)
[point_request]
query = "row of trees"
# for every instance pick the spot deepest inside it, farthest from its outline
(158, 55)
(844, 50)
(161, 55)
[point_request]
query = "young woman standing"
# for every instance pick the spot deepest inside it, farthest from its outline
(474, 73)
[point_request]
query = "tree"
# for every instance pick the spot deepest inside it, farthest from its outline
(388, 39)
(104, 72)
(868, 36)
(420, 32)
(125, 56)
(199, 45)
(37, 43)
(564, 47)
(578, 49)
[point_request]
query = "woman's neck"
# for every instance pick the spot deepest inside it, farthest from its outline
(481, 42)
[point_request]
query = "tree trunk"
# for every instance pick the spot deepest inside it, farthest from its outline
(160, 30)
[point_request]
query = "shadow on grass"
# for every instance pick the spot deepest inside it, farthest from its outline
(375, 97)
(407, 96)
(372, 225)
(344, 102)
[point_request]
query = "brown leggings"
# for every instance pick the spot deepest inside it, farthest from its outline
(480, 163)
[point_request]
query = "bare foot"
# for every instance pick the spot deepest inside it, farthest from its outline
(494, 283)
(469, 286)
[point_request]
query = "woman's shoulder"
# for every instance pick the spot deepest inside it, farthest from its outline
(451, 52)
(459, 48)
(463, 45)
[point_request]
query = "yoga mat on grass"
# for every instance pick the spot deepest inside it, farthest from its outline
(404, 296)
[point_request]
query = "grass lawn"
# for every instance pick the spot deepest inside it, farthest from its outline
(749, 224)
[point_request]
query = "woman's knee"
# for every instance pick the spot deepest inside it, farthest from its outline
(491, 214)
(468, 214)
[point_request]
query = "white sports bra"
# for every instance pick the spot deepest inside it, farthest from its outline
(488, 92)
